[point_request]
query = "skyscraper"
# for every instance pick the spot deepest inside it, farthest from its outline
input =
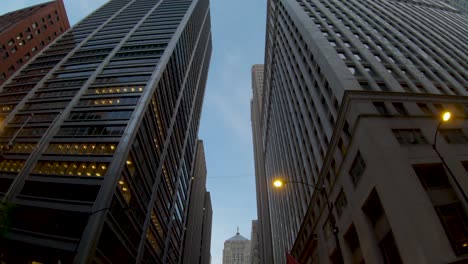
(198, 233)
(100, 134)
(263, 211)
(27, 31)
(350, 108)
(236, 250)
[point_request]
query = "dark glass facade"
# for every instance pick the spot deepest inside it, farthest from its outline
(100, 134)
(317, 51)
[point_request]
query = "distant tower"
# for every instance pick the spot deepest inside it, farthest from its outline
(236, 250)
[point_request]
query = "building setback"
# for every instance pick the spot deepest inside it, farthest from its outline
(198, 233)
(100, 134)
(350, 104)
(25, 32)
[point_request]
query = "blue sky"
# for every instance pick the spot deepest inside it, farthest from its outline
(238, 28)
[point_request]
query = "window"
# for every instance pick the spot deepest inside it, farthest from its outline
(91, 131)
(71, 168)
(11, 42)
(357, 168)
(340, 203)
(432, 176)
(373, 208)
(352, 239)
(400, 108)
(381, 108)
(389, 250)
(424, 108)
(454, 136)
(455, 223)
(118, 89)
(81, 148)
(101, 115)
(409, 136)
(109, 101)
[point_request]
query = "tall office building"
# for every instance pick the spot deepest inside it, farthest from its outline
(254, 244)
(198, 233)
(25, 32)
(461, 5)
(264, 225)
(350, 104)
(236, 250)
(100, 134)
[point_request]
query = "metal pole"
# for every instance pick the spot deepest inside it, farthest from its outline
(333, 224)
(331, 216)
(434, 146)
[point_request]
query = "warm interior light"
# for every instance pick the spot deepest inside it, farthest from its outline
(278, 183)
(446, 116)
(121, 182)
(129, 162)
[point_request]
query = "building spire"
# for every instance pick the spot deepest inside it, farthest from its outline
(237, 231)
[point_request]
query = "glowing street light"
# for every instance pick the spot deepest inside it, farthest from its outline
(278, 183)
(446, 116)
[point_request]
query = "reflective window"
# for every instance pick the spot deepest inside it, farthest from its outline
(91, 131)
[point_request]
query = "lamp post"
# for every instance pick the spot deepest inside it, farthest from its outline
(280, 183)
(446, 116)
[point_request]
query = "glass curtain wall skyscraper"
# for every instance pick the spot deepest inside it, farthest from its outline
(349, 87)
(99, 134)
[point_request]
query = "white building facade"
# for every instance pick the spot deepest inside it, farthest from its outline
(236, 250)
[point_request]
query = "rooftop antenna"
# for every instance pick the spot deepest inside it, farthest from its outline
(238, 231)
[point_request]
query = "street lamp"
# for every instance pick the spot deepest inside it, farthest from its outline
(279, 183)
(446, 116)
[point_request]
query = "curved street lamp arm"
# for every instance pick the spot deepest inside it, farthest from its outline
(435, 134)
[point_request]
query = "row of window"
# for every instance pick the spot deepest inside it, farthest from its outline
(91, 131)
(71, 168)
(114, 90)
(18, 147)
(11, 165)
(81, 148)
(101, 115)
(415, 136)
